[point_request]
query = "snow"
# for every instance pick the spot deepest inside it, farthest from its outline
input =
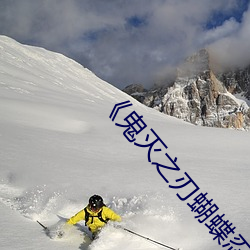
(59, 147)
(242, 99)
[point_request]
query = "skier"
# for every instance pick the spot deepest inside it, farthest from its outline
(95, 214)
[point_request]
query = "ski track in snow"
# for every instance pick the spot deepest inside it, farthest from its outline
(138, 213)
(38, 204)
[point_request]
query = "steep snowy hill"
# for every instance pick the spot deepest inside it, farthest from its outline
(59, 146)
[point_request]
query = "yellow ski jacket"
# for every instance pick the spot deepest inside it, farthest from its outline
(94, 223)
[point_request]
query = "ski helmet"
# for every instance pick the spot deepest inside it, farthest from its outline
(96, 202)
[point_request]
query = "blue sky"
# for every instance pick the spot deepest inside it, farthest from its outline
(218, 17)
(131, 41)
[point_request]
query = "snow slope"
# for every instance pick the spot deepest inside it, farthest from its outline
(59, 146)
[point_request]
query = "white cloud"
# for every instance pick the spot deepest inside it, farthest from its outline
(233, 49)
(228, 28)
(97, 32)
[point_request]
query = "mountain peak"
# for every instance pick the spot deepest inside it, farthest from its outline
(197, 64)
(200, 96)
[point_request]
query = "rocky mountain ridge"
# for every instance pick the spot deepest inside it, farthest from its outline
(200, 95)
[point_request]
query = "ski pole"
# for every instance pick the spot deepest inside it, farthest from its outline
(45, 228)
(146, 238)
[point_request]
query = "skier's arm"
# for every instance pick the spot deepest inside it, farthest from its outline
(110, 214)
(77, 217)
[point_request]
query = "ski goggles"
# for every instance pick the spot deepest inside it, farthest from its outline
(94, 208)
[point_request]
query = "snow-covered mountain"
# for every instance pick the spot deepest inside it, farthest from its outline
(59, 146)
(201, 95)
